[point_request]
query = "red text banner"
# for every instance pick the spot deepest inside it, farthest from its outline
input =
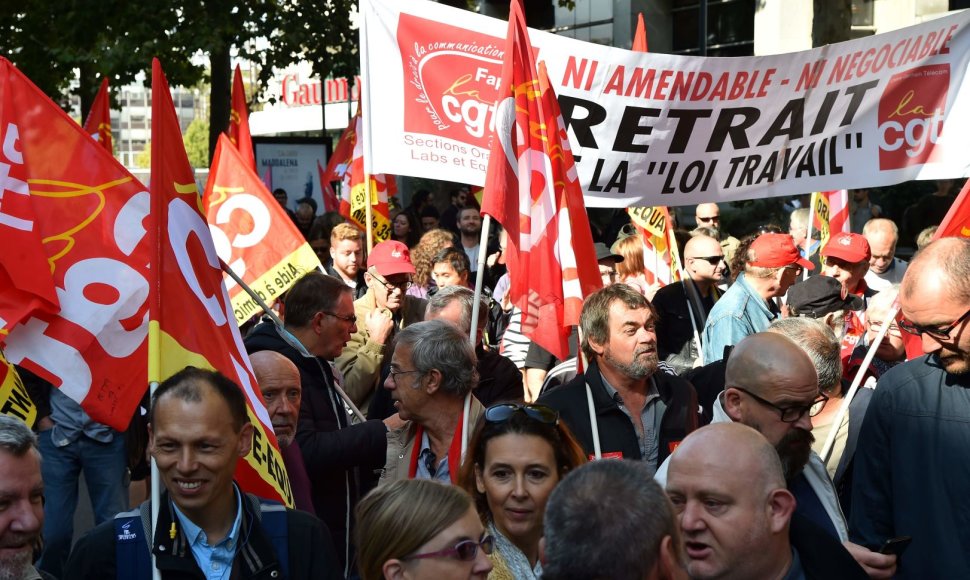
(651, 129)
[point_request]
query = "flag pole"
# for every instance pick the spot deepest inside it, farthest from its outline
(288, 336)
(476, 308)
(368, 213)
(808, 232)
(847, 399)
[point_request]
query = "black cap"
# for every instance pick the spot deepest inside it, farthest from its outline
(602, 252)
(820, 295)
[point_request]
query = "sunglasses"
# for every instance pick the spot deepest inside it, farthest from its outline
(541, 413)
(465, 550)
(936, 332)
(712, 260)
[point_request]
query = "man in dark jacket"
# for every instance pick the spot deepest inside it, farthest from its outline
(638, 413)
(340, 458)
(198, 429)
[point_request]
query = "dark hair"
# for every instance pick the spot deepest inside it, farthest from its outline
(457, 258)
(594, 320)
(606, 519)
(314, 292)
(414, 230)
(430, 211)
(187, 385)
(568, 452)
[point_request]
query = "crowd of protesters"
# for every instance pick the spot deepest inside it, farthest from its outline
(696, 431)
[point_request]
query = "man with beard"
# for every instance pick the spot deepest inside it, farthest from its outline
(636, 412)
(279, 383)
(737, 518)
(470, 230)
(345, 254)
(22, 494)
(772, 385)
(912, 474)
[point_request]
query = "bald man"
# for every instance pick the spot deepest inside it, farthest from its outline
(885, 269)
(709, 215)
(705, 266)
(279, 382)
(912, 468)
(771, 385)
(736, 515)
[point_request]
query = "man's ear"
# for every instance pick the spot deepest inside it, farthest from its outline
(151, 439)
(597, 347)
(432, 380)
(781, 505)
(732, 404)
(670, 564)
(246, 439)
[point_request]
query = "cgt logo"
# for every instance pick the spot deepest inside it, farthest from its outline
(452, 79)
(911, 114)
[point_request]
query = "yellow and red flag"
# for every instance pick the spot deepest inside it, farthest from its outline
(830, 214)
(73, 256)
(239, 121)
(640, 37)
(14, 399)
(98, 123)
(347, 165)
(252, 233)
(532, 189)
(191, 318)
(659, 248)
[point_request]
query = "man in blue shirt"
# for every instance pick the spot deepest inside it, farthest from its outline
(198, 429)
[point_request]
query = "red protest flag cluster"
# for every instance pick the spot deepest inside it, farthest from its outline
(239, 121)
(192, 322)
(98, 123)
(533, 190)
(74, 270)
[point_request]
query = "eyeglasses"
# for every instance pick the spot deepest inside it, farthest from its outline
(402, 286)
(351, 319)
(792, 413)
(713, 218)
(712, 260)
(541, 413)
(936, 332)
(395, 372)
(876, 325)
(795, 268)
(465, 550)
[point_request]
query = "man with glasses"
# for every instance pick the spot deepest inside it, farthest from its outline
(382, 311)
(683, 306)
(771, 266)
(432, 373)
(339, 457)
(708, 215)
(912, 469)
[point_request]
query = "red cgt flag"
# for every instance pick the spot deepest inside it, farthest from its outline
(239, 121)
(74, 259)
(98, 123)
(532, 189)
(192, 322)
(252, 233)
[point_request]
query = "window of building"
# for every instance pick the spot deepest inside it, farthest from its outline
(728, 30)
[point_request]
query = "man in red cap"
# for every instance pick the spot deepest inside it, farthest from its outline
(846, 258)
(771, 266)
(384, 309)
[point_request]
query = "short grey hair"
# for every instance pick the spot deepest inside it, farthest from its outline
(466, 296)
(16, 437)
(621, 537)
(440, 345)
(819, 342)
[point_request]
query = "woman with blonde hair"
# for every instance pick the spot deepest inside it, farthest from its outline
(632, 270)
(422, 257)
(418, 528)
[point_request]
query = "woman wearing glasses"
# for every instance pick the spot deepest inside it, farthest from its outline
(517, 455)
(421, 529)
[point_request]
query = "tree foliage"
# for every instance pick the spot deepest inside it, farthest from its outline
(196, 140)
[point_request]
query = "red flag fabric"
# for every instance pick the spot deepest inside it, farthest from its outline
(532, 189)
(74, 262)
(192, 322)
(239, 121)
(252, 233)
(956, 222)
(355, 195)
(640, 38)
(98, 123)
(330, 201)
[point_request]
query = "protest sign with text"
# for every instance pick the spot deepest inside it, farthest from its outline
(654, 129)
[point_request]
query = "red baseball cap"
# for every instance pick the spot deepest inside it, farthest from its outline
(389, 258)
(852, 248)
(777, 251)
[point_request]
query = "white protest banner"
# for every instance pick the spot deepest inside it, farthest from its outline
(653, 129)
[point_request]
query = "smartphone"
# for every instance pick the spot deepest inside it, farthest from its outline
(895, 545)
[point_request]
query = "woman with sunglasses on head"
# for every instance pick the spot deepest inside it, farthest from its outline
(421, 529)
(517, 455)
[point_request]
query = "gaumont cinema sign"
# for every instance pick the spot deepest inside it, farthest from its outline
(655, 129)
